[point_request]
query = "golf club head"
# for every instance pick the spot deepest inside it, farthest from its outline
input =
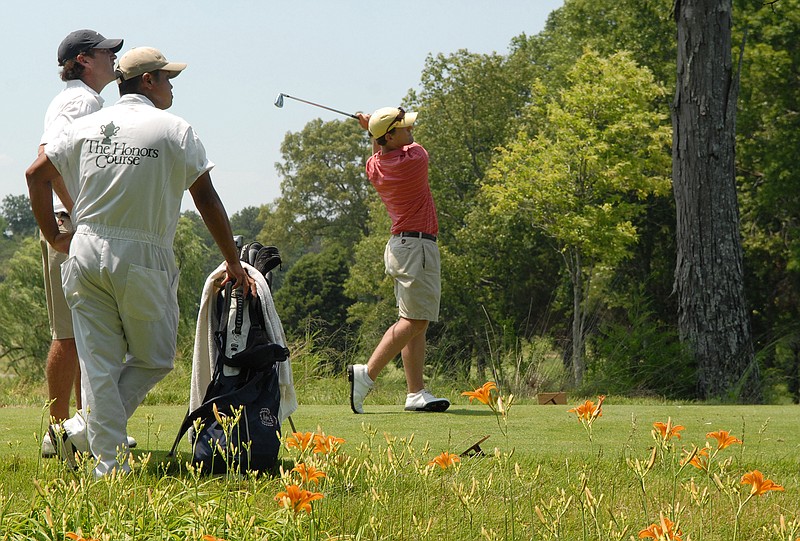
(279, 101)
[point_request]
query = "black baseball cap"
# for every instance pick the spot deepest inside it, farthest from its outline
(83, 40)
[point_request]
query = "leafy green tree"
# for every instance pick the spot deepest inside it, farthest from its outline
(643, 28)
(192, 257)
(275, 231)
(583, 179)
(324, 190)
(312, 297)
(373, 306)
(16, 209)
(278, 231)
(505, 286)
(25, 336)
(247, 223)
(199, 227)
(768, 181)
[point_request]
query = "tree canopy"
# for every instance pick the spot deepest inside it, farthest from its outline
(584, 177)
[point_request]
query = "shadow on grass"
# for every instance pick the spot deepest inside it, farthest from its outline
(162, 464)
(451, 411)
(471, 412)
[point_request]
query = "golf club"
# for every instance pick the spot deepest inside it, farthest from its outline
(279, 104)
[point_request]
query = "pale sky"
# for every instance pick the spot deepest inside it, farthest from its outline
(350, 55)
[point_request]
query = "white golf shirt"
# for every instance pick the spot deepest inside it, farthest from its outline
(76, 100)
(128, 166)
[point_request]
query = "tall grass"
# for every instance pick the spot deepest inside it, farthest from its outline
(399, 476)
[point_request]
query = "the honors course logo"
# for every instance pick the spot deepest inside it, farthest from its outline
(110, 152)
(108, 130)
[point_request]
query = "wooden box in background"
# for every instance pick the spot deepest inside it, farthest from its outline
(556, 399)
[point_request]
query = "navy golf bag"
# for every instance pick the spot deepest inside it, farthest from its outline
(237, 424)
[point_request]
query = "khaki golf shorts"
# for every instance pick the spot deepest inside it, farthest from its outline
(57, 310)
(415, 265)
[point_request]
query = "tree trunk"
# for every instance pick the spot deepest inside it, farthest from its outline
(578, 319)
(713, 319)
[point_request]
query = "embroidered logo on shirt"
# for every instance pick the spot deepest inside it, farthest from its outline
(116, 153)
(108, 130)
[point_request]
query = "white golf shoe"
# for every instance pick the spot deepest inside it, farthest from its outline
(360, 385)
(425, 401)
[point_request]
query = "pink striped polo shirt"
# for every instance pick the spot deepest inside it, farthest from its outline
(401, 179)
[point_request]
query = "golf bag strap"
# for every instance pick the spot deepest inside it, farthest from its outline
(207, 407)
(239, 319)
(226, 308)
(274, 353)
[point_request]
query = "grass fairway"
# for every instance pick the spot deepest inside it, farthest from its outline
(541, 478)
(769, 432)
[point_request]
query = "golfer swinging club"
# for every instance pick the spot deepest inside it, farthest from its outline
(398, 169)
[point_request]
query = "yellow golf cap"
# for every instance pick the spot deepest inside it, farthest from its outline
(387, 118)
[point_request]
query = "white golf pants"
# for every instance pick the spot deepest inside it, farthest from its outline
(121, 286)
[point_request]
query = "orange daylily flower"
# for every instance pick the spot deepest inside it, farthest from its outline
(760, 485)
(724, 439)
(482, 393)
(588, 411)
(444, 460)
(309, 473)
(668, 431)
(326, 444)
(298, 499)
(76, 537)
(699, 460)
(662, 531)
(208, 537)
(301, 440)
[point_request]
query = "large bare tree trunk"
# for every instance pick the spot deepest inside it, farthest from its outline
(713, 319)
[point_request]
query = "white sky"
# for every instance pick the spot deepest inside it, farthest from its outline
(350, 55)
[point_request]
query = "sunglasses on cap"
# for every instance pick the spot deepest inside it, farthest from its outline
(400, 116)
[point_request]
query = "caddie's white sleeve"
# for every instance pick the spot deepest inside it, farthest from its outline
(196, 162)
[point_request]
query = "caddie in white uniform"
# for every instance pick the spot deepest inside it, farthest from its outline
(127, 167)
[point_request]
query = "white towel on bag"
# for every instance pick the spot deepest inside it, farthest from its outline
(205, 348)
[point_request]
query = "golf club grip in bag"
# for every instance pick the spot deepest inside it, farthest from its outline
(245, 376)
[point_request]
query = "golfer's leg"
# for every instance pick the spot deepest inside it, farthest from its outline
(61, 372)
(394, 340)
(414, 356)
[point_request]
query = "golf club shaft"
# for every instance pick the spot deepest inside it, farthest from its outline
(322, 106)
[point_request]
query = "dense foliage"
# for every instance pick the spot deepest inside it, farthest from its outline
(550, 167)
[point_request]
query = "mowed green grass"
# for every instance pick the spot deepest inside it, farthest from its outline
(771, 433)
(542, 461)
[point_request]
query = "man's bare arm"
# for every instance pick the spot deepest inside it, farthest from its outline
(210, 206)
(40, 177)
(60, 188)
